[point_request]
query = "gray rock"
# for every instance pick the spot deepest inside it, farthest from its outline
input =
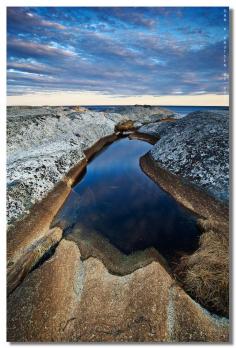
(151, 128)
(196, 148)
(43, 144)
(141, 113)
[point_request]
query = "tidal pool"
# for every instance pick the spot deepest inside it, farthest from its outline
(115, 198)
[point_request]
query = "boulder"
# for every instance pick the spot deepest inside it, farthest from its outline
(125, 126)
(195, 148)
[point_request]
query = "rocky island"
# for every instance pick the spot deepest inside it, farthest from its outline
(82, 288)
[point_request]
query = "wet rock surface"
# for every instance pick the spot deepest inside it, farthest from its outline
(195, 148)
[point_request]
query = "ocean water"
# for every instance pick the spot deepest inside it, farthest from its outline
(116, 199)
(181, 110)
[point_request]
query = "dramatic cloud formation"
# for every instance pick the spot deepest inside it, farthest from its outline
(118, 51)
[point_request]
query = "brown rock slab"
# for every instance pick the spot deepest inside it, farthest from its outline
(40, 309)
(193, 323)
(69, 300)
(27, 232)
(18, 271)
(125, 126)
(145, 137)
(96, 147)
(188, 195)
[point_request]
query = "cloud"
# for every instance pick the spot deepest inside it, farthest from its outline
(32, 67)
(25, 48)
(134, 16)
(18, 17)
(118, 51)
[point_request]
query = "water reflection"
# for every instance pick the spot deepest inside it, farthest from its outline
(118, 200)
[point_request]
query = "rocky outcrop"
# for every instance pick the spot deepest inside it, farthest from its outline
(195, 148)
(87, 291)
(125, 126)
(69, 300)
(43, 145)
(191, 162)
(143, 113)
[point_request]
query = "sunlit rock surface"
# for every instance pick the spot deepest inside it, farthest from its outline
(70, 300)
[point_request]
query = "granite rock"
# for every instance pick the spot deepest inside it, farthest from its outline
(70, 300)
(43, 144)
(195, 148)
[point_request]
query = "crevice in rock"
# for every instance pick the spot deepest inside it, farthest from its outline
(110, 260)
(45, 257)
(33, 258)
(48, 255)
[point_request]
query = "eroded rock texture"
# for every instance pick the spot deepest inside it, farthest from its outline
(67, 300)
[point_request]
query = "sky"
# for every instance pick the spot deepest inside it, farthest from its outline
(117, 55)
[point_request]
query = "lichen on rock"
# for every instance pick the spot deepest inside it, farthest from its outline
(195, 148)
(43, 144)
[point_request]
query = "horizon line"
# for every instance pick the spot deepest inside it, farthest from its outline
(84, 105)
(92, 98)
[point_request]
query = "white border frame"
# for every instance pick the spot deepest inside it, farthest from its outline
(67, 3)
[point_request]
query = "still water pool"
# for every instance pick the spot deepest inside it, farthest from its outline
(115, 198)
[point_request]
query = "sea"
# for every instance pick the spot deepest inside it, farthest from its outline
(181, 110)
